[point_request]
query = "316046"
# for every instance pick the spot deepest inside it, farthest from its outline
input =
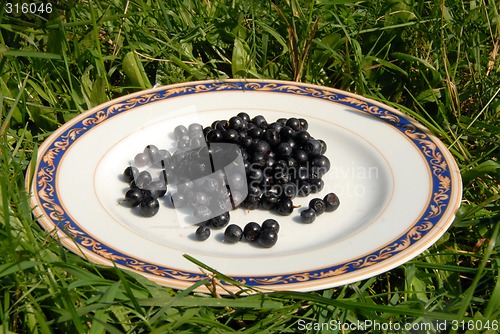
(28, 8)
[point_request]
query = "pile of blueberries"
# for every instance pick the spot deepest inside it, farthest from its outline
(192, 175)
(273, 163)
(282, 160)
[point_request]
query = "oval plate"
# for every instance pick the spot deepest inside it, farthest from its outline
(398, 184)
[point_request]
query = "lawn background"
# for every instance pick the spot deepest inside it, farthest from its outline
(437, 61)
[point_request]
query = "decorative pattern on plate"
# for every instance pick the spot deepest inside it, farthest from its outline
(441, 181)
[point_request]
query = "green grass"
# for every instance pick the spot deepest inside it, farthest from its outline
(435, 60)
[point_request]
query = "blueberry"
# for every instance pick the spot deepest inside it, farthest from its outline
(290, 190)
(244, 116)
(141, 159)
(305, 189)
(284, 207)
(245, 141)
(195, 129)
(320, 165)
(130, 173)
(271, 136)
(143, 179)
(146, 193)
(323, 146)
(317, 185)
(304, 125)
(254, 189)
(308, 216)
(206, 130)
(287, 133)
(301, 156)
(318, 205)
(151, 151)
(293, 123)
(261, 146)
(149, 206)
(230, 136)
(302, 137)
(133, 197)
(202, 233)
(271, 224)
(180, 131)
(254, 132)
(259, 159)
(221, 125)
(268, 238)
(251, 231)
(179, 200)
(332, 202)
(269, 200)
(221, 220)
(260, 121)
(214, 136)
(233, 233)
(292, 143)
(284, 149)
(251, 202)
(237, 123)
(312, 147)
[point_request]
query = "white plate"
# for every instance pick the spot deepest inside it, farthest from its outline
(398, 184)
